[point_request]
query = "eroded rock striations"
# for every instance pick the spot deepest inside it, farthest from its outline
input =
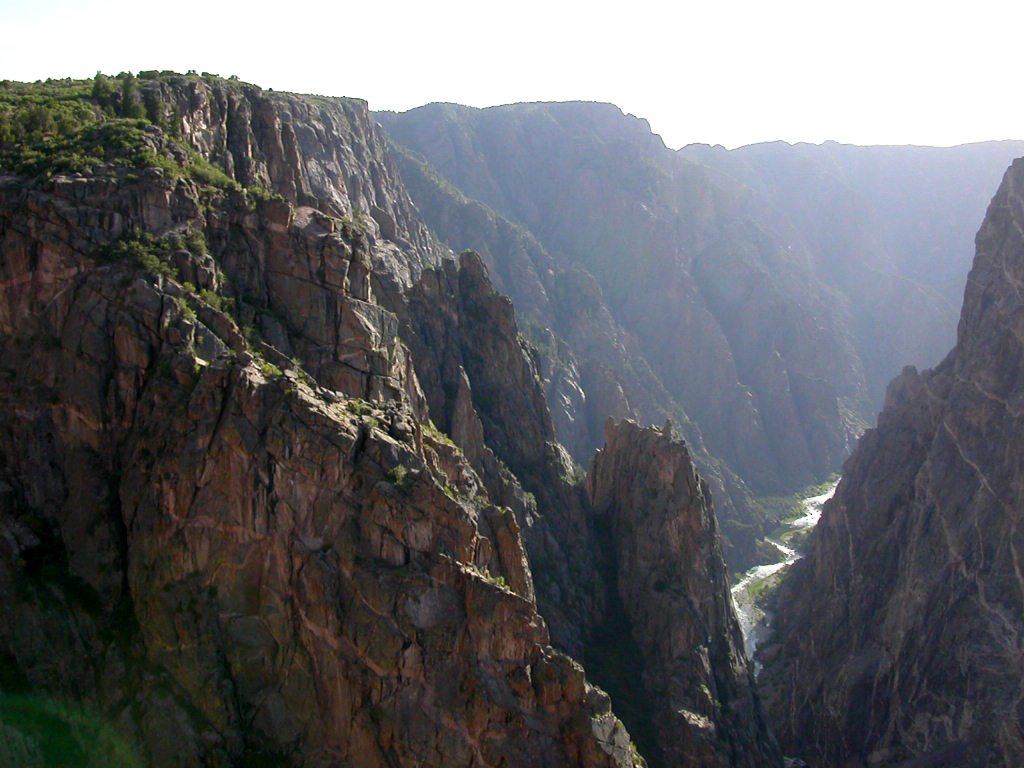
(278, 481)
(898, 638)
(665, 564)
(235, 534)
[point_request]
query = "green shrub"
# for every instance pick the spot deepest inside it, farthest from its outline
(75, 126)
(195, 241)
(204, 172)
(398, 475)
(186, 311)
(131, 103)
(266, 367)
(143, 249)
(218, 302)
(357, 407)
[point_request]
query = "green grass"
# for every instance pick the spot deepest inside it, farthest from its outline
(498, 581)
(220, 303)
(266, 367)
(35, 731)
(431, 430)
(202, 171)
(782, 509)
(186, 311)
(760, 589)
(358, 407)
(195, 241)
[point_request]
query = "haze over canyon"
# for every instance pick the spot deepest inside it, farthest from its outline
(334, 437)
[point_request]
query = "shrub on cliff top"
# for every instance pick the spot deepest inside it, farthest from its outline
(79, 126)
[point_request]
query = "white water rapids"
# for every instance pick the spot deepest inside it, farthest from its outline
(753, 621)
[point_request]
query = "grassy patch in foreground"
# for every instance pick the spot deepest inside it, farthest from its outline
(41, 733)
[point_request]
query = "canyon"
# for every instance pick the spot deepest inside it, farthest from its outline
(324, 437)
(761, 298)
(280, 485)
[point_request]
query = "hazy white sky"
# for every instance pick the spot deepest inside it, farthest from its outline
(731, 72)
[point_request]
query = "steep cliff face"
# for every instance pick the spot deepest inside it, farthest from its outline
(711, 297)
(227, 525)
(897, 638)
(665, 566)
(229, 521)
(291, 146)
(590, 372)
(643, 494)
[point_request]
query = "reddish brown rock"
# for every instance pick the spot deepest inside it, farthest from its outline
(661, 543)
(229, 521)
(240, 557)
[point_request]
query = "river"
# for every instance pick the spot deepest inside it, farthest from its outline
(753, 621)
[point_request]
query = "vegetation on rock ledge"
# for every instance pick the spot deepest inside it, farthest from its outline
(85, 126)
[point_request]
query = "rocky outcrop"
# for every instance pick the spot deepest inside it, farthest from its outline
(278, 483)
(664, 564)
(897, 637)
(580, 557)
(318, 152)
(483, 389)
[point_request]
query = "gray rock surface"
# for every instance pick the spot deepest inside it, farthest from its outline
(890, 229)
(897, 638)
(592, 367)
(703, 290)
(665, 565)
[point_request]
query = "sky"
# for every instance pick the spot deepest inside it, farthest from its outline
(728, 72)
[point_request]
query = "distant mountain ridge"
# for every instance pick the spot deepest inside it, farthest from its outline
(592, 367)
(890, 229)
(602, 193)
(723, 302)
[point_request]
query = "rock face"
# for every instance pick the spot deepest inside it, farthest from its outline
(897, 641)
(767, 294)
(235, 555)
(278, 480)
(665, 566)
(290, 145)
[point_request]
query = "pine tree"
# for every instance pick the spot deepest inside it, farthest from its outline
(131, 105)
(102, 92)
